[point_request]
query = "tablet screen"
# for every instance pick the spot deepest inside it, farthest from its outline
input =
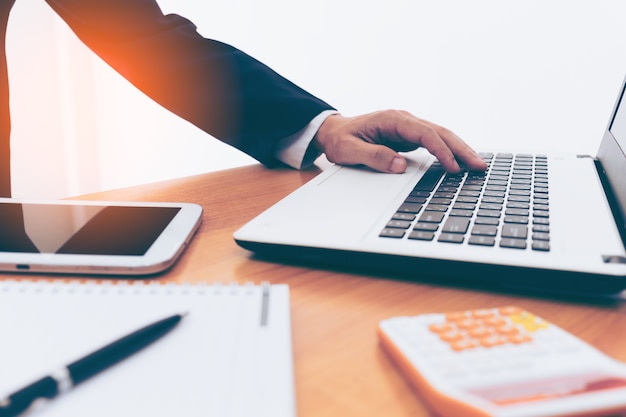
(81, 229)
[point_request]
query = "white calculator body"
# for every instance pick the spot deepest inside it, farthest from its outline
(503, 362)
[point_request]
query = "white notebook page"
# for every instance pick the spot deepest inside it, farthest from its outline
(219, 361)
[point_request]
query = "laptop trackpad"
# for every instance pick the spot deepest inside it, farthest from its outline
(340, 204)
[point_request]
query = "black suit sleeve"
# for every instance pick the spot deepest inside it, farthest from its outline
(216, 87)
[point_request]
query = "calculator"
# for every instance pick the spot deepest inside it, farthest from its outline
(503, 362)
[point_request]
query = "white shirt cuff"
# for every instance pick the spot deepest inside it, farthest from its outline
(292, 150)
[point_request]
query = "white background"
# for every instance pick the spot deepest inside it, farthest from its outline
(517, 75)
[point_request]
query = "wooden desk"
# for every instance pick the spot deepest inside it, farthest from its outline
(340, 370)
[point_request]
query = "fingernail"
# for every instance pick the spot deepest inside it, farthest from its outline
(398, 165)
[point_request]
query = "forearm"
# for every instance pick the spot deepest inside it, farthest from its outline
(218, 88)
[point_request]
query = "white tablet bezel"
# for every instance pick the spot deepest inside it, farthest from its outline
(162, 254)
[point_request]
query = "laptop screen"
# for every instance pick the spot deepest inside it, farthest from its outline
(612, 157)
(618, 124)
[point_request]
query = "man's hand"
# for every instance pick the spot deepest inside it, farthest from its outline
(375, 139)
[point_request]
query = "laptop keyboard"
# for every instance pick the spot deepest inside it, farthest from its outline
(506, 206)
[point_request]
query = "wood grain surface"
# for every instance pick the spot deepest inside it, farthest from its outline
(340, 369)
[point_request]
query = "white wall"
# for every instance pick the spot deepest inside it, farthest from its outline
(540, 74)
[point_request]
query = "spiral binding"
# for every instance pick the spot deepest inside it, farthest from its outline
(86, 287)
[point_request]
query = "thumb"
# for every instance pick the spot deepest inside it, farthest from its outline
(380, 158)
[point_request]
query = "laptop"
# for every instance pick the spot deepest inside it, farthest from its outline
(554, 222)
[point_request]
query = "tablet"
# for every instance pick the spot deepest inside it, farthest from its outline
(94, 237)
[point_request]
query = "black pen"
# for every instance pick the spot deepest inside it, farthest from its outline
(84, 368)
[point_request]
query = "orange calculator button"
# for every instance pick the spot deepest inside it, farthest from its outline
(464, 344)
(440, 327)
(492, 341)
(451, 336)
(507, 330)
(495, 321)
(482, 313)
(468, 324)
(479, 332)
(520, 338)
(456, 316)
(510, 310)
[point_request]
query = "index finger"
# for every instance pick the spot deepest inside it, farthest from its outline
(462, 151)
(429, 136)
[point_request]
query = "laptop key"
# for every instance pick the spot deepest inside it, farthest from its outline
(513, 243)
(451, 238)
(517, 205)
(415, 200)
(524, 193)
(456, 225)
(500, 170)
(404, 216)
(394, 233)
(410, 208)
(516, 231)
(461, 213)
(516, 219)
(541, 236)
(488, 213)
(430, 178)
(489, 221)
(467, 199)
(468, 193)
(436, 207)
(541, 213)
(426, 227)
(464, 206)
(482, 241)
(445, 189)
(490, 206)
(541, 245)
(441, 201)
(516, 212)
(398, 224)
(540, 228)
(421, 235)
(432, 217)
(419, 193)
(472, 187)
(498, 194)
(484, 230)
(496, 200)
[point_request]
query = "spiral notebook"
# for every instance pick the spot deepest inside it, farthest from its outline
(231, 356)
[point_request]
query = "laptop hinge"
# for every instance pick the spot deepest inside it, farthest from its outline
(614, 259)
